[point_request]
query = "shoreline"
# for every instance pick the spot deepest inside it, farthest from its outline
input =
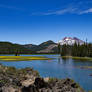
(29, 80)
(35, 54)
(77, 58)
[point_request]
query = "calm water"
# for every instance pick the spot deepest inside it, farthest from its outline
(59, 68)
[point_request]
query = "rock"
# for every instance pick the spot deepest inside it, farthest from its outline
(31, 88)
(46, 79)
(28, 82)
(39, 82)
(9, 89)
(74, 85)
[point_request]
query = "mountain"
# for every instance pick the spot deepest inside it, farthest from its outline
(45, 47)
(11, 48)
(48, 47)
(71, 41)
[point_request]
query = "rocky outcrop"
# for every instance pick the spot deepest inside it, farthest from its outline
(65, 85)
(28, 80)
(50, 49)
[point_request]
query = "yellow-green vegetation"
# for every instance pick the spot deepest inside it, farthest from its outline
(23, 58)
(85, 67)
(77, 58)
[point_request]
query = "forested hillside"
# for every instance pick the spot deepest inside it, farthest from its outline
(10, 48)
(45, 47)
(84, 50)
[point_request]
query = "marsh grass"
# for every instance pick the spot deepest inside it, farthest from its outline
(23, 58)
(77, 58)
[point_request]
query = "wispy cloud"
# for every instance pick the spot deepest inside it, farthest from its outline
(57, 12)
(75, 7)
(78, 7)
(86, 11)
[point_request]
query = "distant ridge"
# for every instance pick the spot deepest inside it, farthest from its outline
(45, 47)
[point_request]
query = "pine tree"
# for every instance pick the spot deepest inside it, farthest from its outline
(59, 48)
(84, 50)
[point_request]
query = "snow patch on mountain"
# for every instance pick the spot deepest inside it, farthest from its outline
(70, 41)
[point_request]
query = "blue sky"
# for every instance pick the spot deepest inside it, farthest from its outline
(36, 21)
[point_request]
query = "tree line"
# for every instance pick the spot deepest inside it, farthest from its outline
(84, 50)
(9, 48)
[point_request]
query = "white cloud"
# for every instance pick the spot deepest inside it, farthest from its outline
(65, 11)
(58, 12)
(78, 7)
(86, 11)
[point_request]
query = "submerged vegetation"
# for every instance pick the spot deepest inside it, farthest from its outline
(23, 58)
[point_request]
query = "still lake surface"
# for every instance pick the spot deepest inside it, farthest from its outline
(59, 68)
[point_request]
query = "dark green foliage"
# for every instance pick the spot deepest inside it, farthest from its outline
(9, 48)
(66, 50)
(59, 48)
(84, 50)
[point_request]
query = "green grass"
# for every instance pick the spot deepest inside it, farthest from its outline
(78, 58)
(23, 58)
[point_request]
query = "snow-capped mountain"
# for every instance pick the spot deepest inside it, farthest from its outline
(70, 41)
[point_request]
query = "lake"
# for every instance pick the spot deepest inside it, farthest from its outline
(59, 68)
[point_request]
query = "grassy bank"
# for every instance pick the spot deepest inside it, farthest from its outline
(23, 58)
(78, 58)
